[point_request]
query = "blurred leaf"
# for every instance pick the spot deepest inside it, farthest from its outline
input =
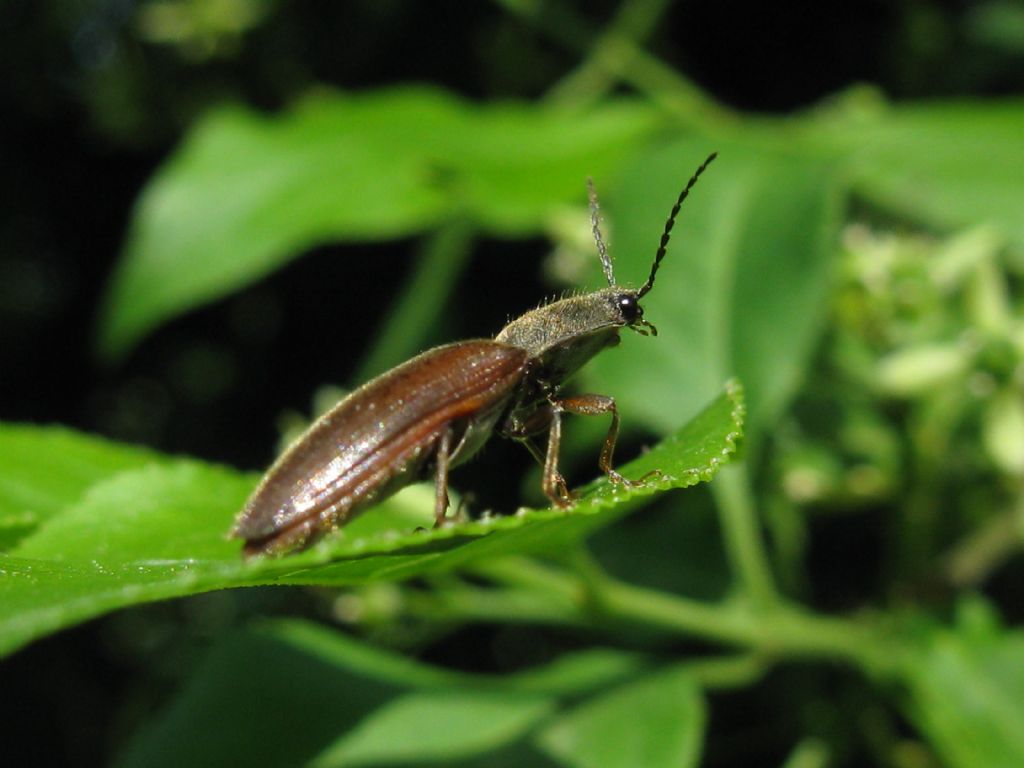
(743, 289)
(915, 370)
(681, 542)
(256, 701)
(809, 753)
(46, 469)
(966, 689)
(570, 675)
(284, 694)
(159, 532)
(437, 726)
(998, 24)
(950, 165)
(246, 193)
(656, 721)
(411, 322)
(744, 286)
(1002, 431)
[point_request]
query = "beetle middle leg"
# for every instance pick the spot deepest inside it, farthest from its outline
(555, 487)
(442, 461)
(595, 405)
(526, 430)
(552, 482)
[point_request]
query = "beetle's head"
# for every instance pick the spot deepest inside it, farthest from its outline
(627, 301)
(627, 305)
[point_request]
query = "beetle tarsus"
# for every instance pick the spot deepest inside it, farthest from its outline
(563, 498)
(616, 479)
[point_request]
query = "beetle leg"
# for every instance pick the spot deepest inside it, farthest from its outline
(441, 462)
(595, 405)
(525, 430)
(462, 509)
(538, 453)
(552, 481)
(537, 419)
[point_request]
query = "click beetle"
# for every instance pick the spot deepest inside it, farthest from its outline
(435, 411)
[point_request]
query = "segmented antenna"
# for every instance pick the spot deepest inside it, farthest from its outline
(670, 223)
(595, 225)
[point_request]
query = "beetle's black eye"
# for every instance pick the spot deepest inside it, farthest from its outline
(628, 307)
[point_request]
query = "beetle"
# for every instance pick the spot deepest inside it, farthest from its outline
(435, 411)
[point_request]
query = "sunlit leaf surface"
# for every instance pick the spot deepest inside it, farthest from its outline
(158, 531)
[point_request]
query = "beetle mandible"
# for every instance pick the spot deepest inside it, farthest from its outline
(435, 411)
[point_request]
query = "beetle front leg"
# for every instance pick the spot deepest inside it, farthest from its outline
(595, 405)
(525, 431)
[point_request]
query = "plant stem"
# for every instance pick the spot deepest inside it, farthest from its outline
(782, 631)
(594, 77)
(510, 606)
(987, 547)
(539, 593)
(743, 541)
(729, 671)
(621, 57)
(666, 87)
(528, 573)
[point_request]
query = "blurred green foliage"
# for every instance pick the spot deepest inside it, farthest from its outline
(857, 265)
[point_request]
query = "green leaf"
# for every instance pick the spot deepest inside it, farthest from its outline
(294, 690)
(743, 290)
(656, 721)
(966, 689)
(46, 469)
(159, 532)
(246, 193)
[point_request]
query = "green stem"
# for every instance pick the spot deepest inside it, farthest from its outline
(743, 540)
(527, 573)
(666, 87)
(782, 631)
(595, 76)
(507, 606)
(539, 593)
(986, 548)
(619, 56)
(729, 671)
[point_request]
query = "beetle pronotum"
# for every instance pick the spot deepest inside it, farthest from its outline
(435, 411)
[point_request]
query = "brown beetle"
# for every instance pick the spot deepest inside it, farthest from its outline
(435, 411)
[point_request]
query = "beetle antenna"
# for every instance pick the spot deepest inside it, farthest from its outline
(595, 225)
(670, 223)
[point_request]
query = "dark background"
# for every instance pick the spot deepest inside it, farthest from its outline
(90, 108)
